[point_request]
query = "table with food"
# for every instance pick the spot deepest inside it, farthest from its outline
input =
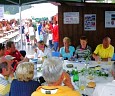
(84, 75)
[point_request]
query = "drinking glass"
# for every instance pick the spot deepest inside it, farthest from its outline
(82, 84)
(109, 61)
(99, 60)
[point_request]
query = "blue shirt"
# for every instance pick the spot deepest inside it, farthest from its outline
(39, 29)
(67, 55)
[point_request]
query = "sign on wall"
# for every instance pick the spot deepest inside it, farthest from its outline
(1, 12)
(71, 17)
(109, 19)
(89, 22)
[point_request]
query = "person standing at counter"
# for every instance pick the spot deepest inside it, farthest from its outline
(104, 51)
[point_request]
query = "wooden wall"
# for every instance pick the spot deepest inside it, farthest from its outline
(74, 31)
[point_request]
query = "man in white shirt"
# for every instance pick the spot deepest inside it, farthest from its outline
(106, 89)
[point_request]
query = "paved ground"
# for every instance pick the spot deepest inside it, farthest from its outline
(29, 49)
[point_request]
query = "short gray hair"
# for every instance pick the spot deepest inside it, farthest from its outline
(52, 69)
(25, 71)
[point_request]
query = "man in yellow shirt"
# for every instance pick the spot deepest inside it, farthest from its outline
(104, 50)
(52, 70)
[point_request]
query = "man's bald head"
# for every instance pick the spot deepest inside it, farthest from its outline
(106, 42)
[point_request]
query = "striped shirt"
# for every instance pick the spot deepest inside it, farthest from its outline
(83, 53)
(4, 86)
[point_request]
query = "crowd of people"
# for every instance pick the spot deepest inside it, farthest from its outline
(46, 31)
(13, 64)
(6, 25)
(16, 68)
(83, 51)
(104, 51)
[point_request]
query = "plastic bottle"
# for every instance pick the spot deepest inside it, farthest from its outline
(76, 78)
(75, 75)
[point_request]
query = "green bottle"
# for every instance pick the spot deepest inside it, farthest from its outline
(75, 75)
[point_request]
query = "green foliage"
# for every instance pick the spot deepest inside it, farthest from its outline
(92, 71)
(7, 12)
(113, 1)
(40, 19)
(13, 9)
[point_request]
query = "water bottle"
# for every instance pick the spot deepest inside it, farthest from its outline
(76, 78)
(75, 75)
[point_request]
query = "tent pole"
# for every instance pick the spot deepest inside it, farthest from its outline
(20, 26)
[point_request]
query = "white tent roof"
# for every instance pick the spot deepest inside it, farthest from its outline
(39, 10)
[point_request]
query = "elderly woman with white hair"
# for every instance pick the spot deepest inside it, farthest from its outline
(54, 77)
(24, 85)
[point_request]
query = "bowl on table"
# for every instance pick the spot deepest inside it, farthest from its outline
(69, 66)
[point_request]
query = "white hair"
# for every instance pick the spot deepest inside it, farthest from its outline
(52, 69)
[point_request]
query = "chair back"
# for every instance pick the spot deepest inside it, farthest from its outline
(113, 59)
(55, 54)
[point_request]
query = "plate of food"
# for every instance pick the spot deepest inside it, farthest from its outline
(91, 84)
(69, 65)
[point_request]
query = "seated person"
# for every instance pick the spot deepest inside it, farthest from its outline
(107, 89)
(2, 50)
(11, 50)
(5, 71)
(104, 51)
(42, 50)
(83, 51)
(67, 51)
(11, 61)
(52, 73)
(24, 85)
(23, 53)
(7, 58)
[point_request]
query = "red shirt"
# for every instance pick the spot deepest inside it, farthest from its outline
(55, 34)
(15, 54)
(51, 27)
